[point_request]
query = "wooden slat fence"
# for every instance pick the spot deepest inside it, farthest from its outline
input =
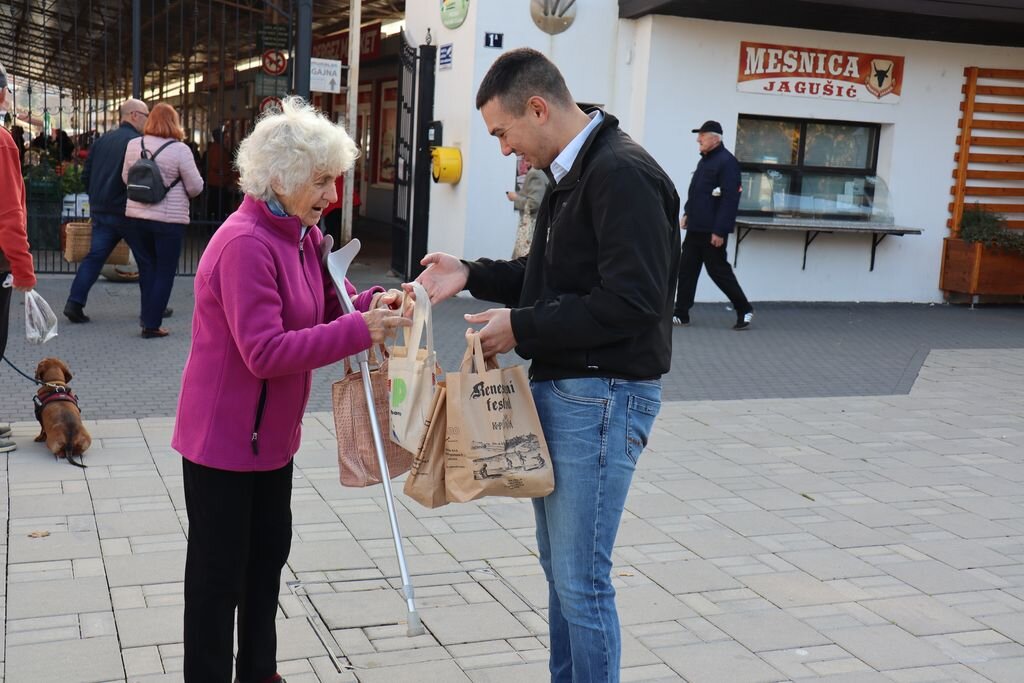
(990, 158)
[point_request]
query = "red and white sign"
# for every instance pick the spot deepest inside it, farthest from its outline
(768, 69)
(275, 62)
(336, 46)
(270, 103)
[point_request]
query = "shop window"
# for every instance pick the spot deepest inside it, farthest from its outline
(810, 168)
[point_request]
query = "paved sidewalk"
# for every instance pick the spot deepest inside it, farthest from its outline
(794, 350)
(846, 539)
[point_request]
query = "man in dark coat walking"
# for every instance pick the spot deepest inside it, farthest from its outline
(708, 217)
(107, 198)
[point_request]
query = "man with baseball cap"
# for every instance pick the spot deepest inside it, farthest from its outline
(15, 258)
(709, 215)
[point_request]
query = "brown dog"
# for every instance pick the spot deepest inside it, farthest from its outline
(58, 413)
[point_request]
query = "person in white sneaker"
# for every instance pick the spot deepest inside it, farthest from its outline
(15, 258)
(708, 217)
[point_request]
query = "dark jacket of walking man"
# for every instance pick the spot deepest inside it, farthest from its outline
(708, 217)
(591, 307)
(107, 198)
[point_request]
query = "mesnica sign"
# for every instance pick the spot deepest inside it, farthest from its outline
(810, 72)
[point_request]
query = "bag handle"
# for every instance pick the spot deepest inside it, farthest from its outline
(421, 318)
(372, 361)
(473, 360)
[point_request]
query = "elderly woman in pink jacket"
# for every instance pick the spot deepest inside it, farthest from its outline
(266, 315)
(162, 224)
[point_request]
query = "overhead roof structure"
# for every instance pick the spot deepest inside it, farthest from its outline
(984, 22)
(86, 45)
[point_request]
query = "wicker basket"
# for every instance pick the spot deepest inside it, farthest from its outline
(79, 239)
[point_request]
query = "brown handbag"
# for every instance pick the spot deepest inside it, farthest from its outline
(357, 454)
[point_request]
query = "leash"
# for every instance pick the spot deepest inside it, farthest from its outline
(30, 379)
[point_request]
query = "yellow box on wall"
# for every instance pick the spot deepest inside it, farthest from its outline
(446, 164)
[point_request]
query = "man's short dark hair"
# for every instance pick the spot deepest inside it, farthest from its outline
(518, 75)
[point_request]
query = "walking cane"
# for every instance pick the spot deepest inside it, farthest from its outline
(338, 263)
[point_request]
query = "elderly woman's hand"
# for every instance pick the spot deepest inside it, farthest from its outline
(392, 299)
(383, 323)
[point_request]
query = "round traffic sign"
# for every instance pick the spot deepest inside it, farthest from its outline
(274, 62)
(270, 103)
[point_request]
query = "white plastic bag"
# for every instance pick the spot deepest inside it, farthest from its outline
(40, 321)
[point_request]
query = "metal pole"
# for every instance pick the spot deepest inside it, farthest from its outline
(137, 49)
(352, 95)
(303, 46)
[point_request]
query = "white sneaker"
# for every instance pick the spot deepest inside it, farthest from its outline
(744, 322)
(6, 446)
(5, 432)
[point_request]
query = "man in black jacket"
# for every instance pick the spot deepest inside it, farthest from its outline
(591, 307)
(107, 198)
(708, 218)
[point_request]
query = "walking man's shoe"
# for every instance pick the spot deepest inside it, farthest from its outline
(743, 322)
(73, 311)
(6, 446)
(681, 319)
(5, 432)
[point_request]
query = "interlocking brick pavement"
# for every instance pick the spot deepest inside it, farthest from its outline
(850, 506)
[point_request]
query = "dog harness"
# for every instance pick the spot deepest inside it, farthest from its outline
(59, 393)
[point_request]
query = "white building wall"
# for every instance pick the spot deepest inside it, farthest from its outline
(663, 76)
(696, 61)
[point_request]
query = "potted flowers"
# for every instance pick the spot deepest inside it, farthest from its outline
(986, 259)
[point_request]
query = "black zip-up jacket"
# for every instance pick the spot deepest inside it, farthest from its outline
(594, 296)
(102, 174)
(704, 211)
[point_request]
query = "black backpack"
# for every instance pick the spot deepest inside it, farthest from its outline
(145, 184)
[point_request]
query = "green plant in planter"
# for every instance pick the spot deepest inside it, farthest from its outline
(71, 180)
(989, 228)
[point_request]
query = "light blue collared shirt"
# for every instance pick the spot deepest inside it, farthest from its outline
(567, 157)
(277, 209)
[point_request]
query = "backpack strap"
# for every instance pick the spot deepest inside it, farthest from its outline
(162, 147)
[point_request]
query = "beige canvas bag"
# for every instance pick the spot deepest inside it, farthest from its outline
(412, 377)
(495, 444)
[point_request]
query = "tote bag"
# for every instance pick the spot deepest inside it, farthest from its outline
(495, 445)
(412, 377)
(357, 454)
(425, 483)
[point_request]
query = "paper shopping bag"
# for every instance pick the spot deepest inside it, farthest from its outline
(425, 483)
(495, 444)
(412, 377)
(357, 453)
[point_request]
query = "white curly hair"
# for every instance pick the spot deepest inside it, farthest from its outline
(292, 147)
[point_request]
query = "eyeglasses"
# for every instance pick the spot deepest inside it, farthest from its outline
(143, 113)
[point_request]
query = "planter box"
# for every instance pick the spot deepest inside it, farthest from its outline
(970, 268)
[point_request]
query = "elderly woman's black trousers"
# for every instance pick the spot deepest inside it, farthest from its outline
(240, 530)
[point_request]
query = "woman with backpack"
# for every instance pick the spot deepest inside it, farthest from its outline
(161, 175)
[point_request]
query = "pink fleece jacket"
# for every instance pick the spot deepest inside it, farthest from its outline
(266, 315)
(176, 161)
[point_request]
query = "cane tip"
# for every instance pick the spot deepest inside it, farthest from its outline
(415, 625)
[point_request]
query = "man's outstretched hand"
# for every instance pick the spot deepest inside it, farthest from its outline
(444, 276)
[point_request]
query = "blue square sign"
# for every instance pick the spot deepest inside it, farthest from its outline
(444, 56)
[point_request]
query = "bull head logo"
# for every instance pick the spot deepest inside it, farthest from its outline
(881, 80)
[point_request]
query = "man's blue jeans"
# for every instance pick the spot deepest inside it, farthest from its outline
(595, 429)
(107, 230)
